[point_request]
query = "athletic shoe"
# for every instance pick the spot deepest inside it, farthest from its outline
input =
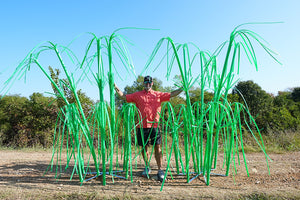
(146, 172)
(160, 175)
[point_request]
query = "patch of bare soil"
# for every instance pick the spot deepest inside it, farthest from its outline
(22, 177)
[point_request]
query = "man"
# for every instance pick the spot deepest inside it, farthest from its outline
(149, 102)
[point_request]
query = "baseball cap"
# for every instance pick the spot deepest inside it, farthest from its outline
(147, 79)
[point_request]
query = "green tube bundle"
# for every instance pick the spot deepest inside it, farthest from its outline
(217, 118)
(92, 139)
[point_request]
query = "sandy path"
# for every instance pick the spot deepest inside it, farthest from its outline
(21, 176)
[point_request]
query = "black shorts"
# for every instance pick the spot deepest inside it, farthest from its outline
(154, 137)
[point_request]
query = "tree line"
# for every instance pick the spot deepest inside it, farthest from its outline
(30, 122)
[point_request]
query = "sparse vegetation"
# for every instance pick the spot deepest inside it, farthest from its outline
(29, 123)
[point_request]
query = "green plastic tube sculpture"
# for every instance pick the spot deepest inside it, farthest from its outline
(92, 139)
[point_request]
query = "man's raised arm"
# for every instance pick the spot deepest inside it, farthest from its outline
(119, 92)
(176, 92)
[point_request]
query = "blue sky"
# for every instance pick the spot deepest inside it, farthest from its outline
(25, 24)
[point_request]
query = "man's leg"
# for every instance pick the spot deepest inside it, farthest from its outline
(145, 155)
(158, 155)
(158, 158)
(143, 143)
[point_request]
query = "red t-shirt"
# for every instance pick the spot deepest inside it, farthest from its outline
(149, 104)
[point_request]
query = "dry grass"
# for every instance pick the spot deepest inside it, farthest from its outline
(279, 142)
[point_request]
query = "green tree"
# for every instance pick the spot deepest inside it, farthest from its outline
(278, 119)
(286, 114)
(282, 99)
(85, 101)
(195, 95)
(252, 95)
(296, 94)
(27, 123)
(286, 100)
(11, 115)
(40, 119)
(258, 101)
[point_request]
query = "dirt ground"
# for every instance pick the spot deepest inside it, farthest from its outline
(22, 177)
